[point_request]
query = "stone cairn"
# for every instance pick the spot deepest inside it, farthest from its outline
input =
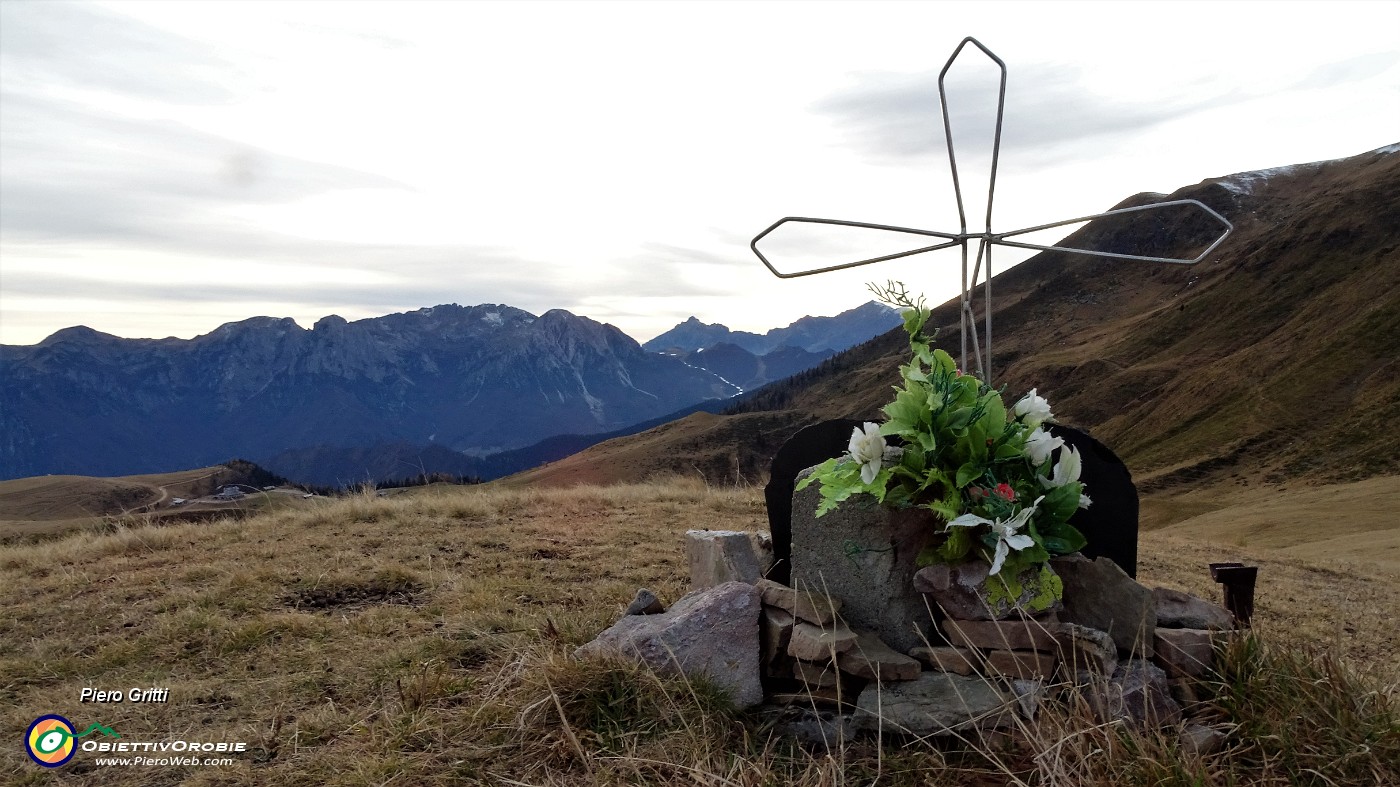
(865, 639)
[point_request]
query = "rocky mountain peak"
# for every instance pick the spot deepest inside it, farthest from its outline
(78, 335)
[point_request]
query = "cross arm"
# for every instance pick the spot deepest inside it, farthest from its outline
(1000, 239)
(952, 239)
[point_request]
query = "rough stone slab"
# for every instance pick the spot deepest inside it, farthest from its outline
(1139, 693)
(864, 555)
(805, 604)
(645, 603)
(1178, 610)
(1098, 594)
(1084, 648)
(1184, 653)
(873, 659)
(815, 675)
(814, 643)
(711, 632)
(961, 590)
(1013, 634)
(774, 633)
(1021, 664)
(935, 703)
(719, 556)
(1201, 739)
(962, 661)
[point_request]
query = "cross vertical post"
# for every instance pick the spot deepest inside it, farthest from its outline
(986, 239)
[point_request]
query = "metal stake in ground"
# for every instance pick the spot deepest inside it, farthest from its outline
(986, 239)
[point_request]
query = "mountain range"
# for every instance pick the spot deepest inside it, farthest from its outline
(1274, 360)
(434, 390)
(813, 334)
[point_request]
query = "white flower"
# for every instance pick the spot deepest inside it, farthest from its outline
(1066, 470)
(1040, 444)
(868, 448)
(1006, 532)
(1032, 410)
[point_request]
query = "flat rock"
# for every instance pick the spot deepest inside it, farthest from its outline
(873, 659)
(1010, 634)
(805, 604)
(711, 632)
(1084, 648)
(935, 703)
(1021, 664)
(1184, 653)
(1140, 693)
(1178, 610)
(719, 556)
(1098, 594)
(962, 661)
(774, 633)
(961, 590)
(814, 643)
(1201, 739)
(865, 555)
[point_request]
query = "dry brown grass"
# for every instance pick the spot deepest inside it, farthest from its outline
(424, 639)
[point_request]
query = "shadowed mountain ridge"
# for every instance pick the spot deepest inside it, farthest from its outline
(1272, 360)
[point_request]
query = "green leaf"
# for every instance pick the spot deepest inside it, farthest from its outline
(995, 420)
(1059, 503)
(943, 361)
(977, 443)
(1009, 451)
(904, 413)
(914, 321)
(880, 485)
(957, 546)
(968, 473)
(928, 556)
(958, 419)
(822, 470)
(1067, 539)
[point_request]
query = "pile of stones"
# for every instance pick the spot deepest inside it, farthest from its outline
(827, 660)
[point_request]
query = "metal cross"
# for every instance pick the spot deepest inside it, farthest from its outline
(982, 351)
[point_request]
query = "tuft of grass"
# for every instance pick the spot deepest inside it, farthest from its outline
(1304, 717)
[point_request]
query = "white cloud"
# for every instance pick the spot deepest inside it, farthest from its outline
(609, 158)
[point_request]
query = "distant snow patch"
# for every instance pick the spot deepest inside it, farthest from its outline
(1247, 182)
(494, 318)
(1389, 148)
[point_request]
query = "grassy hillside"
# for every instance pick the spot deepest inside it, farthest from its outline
(424, 639)
(43, 506)
(1272, 362)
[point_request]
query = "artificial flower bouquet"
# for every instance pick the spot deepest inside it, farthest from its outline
(985, 471)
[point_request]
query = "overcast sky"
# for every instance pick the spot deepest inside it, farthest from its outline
(167, 167)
